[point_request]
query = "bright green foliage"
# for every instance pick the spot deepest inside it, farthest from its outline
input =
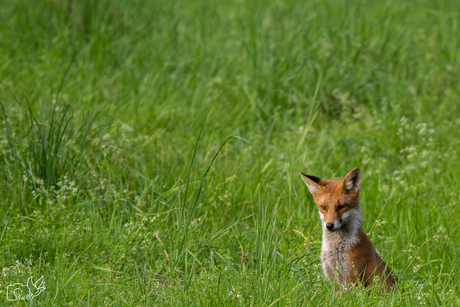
(116, 184)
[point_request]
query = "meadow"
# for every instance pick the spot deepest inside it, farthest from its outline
(150, 150)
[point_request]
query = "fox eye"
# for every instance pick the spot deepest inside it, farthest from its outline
(341, 207)
(323, 207)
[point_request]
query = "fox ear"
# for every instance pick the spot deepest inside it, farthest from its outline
(312, 183)
(352, 180)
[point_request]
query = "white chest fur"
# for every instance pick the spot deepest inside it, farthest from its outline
(337, 244)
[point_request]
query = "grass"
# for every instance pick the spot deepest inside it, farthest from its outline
(119, 183)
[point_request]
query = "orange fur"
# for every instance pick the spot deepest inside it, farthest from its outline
(347, 254)
(367, 264)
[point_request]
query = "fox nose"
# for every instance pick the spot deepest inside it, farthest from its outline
(329, 226)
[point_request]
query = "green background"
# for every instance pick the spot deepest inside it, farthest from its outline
(112, 112)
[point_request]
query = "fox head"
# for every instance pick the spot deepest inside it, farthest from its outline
(337, 200)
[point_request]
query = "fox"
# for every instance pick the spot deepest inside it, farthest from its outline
(347, 254)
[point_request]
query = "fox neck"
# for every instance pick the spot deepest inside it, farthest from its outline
(347, 235)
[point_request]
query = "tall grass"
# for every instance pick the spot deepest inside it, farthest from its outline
(152, 202)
